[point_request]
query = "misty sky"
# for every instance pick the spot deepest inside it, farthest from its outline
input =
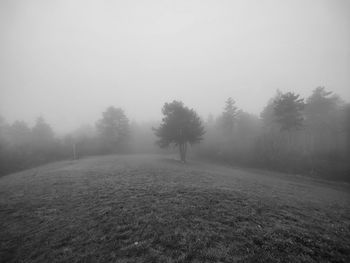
(68, 60)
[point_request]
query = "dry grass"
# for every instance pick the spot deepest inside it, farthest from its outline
(147, 209)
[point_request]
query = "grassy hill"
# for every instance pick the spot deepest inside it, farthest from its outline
(142, 208)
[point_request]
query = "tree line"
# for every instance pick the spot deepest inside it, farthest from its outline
(22, 146)
(292, 134)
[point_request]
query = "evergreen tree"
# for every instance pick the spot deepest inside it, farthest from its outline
(20, 135)
(268, 114)
(113, 129)
(43, 140)
(180, 126)
(288, 111)
(42, 131)
(229, 116)
(321, 109)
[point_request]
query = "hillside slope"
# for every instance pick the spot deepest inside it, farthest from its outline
(142, 208)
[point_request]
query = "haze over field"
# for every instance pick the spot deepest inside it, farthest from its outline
(69, 60)
(174, 131)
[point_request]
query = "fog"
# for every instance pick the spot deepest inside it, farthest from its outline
(69, 60)
(174, 131)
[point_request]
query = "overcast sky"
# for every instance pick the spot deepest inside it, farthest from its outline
(68, 60)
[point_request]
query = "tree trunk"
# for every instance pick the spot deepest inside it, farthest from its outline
(183, 150)
(180, 151)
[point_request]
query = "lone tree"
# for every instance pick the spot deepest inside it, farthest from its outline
(113, 129)
(179, 127)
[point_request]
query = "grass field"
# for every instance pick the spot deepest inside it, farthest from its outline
(154, 209)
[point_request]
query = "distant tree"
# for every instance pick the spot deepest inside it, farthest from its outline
(43, 140)
(229, 116)
(210, 120)
(3, 130)
(20, 135)
(288, 110)
(42, 131)
(4, 140)
(346, 125)
(180, 126)
(82, 141)
(247, 124)
(323, 119)
(113, 129)
(267, 115)
(321, 108)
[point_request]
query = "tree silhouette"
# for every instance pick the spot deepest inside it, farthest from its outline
(229, 116)
(288, 111)
(42, 131)
(20, 136)
(179, 127)
(321, 109)
(268, 115)
(43, 139)
(323, 121)
(113, 129)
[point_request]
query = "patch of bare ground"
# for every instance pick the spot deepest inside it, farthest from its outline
(147, 209)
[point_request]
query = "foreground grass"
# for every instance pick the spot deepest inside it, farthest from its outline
(141, 209)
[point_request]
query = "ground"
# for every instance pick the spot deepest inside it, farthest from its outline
(142, 208)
